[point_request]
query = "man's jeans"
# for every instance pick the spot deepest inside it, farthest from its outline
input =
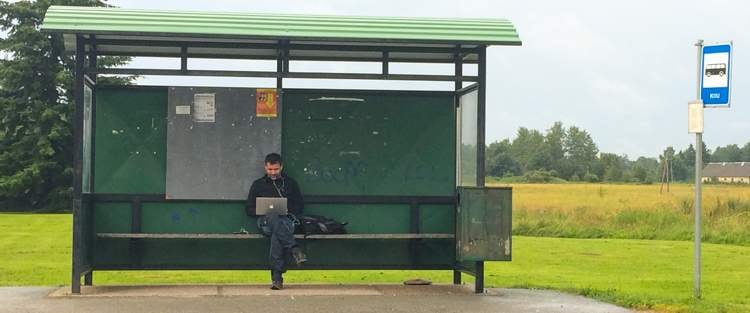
(281, 230)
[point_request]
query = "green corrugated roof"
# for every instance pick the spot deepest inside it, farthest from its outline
(98, 20)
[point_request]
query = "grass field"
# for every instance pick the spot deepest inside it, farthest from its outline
(630, 211)
(644, 274)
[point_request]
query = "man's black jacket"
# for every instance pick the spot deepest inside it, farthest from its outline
(264, 187)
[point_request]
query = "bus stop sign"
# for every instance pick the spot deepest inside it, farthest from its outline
(716, 78)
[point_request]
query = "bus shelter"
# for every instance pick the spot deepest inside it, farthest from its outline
(162, 172)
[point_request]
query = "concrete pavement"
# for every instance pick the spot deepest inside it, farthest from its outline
(295, 298)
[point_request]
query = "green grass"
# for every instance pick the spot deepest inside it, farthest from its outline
(643, 274)
(631, 212)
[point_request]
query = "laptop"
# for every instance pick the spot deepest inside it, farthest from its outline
(270, 206)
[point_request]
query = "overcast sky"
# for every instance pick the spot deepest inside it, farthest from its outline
(623, 70)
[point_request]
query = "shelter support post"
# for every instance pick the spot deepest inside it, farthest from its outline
(473, 268)
(479, 277)
(458, 72)
(88, 279)
(481, 97)
(78, 235)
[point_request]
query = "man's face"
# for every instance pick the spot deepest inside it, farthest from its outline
(273, 170)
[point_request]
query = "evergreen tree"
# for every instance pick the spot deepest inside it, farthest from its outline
(36, 106)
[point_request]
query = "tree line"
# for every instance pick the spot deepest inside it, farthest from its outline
(569, 153)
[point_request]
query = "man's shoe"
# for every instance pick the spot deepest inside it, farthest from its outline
(277, 285)
(299, 256)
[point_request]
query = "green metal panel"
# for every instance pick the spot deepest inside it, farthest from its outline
(111, 218)
(368, 143)
(195, 218)
(91, 20)
(367, 219)
(412, 154)
(437, 219)
(484, 224)
(387, 219)
(230, 217)
(321, 253)
(190, 253)
(204, 252)
(130, 140)
(225, 218)
(374, 143)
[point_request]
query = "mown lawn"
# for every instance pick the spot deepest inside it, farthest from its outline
(643, 274)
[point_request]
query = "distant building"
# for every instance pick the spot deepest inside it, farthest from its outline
(727, 172)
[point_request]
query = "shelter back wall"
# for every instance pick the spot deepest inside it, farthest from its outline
(334, 143)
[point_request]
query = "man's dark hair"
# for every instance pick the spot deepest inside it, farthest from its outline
(274, 158)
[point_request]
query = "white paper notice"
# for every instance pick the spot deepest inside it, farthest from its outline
(182, 110)
(204, 107)
(695, 117)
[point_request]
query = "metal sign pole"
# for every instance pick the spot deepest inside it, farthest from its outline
(698, 168)
(698, 182)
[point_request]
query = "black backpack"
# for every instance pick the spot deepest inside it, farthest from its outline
(318, 225)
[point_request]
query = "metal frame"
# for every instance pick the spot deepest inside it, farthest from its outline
(88, 278)
(86, 46)
(136, 200)
(309, 199)
(482, 85)
(260, 236)
(80, 249)
(121, 267)
(468, 54)
(284, 51)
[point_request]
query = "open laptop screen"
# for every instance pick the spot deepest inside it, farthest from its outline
(267, 205)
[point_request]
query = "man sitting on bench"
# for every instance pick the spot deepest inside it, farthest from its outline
(275, 184)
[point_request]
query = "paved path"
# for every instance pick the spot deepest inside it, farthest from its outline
(295, 298)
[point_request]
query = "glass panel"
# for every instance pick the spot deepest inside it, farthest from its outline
(86, 170)
(467, 145)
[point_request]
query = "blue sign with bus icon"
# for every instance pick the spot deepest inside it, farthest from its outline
(715, 83)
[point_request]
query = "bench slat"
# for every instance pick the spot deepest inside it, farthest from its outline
(258, 236)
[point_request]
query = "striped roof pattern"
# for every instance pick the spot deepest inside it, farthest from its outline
(103, 20)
